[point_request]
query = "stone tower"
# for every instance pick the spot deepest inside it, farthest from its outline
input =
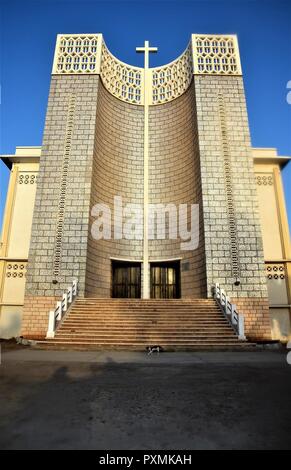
(175, 134)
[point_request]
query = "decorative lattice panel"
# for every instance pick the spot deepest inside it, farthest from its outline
(232, 226)
(264, 180)
(88, 54)
(171, 80)
(277, 281)
(275, 271)
(27, 178)
(63, 188)
(77, 54)
(122, 80)
(16, 269)
(216, 55)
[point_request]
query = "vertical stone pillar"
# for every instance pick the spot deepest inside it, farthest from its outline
(233, 241)
(60, 225)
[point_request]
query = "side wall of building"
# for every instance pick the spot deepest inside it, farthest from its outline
(15, 244)
(276, 240)
(58, 248)
(233, 240)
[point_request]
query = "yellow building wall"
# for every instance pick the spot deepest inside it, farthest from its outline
(15, 241)
(276, 239)
(269, 214)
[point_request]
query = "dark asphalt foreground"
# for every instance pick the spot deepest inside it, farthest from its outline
(91, 400)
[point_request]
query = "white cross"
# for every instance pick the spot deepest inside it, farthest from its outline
(146, 49)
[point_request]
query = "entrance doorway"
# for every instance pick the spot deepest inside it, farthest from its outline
(165, 280)
(126, 279)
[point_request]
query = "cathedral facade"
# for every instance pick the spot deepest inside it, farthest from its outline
(174, 137)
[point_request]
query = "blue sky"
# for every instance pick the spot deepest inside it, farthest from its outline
(28, 31)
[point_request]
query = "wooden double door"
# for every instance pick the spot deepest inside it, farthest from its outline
(164, 278)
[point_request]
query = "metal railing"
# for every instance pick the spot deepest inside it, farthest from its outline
(229, 310)
(55, 316)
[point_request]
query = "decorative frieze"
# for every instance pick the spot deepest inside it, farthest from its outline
(171, 80)
(232, 226)
(62, 195)
(15, 269)
(264, 180)
(277, 281)
(121, 80)
(275, 271)
(77, 54)
(88, 54)
(27, 178)
(215, 55)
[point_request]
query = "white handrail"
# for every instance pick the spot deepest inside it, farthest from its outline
(57, 314)
(230, 311)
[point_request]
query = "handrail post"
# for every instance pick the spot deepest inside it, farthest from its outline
(226, 305)
(230, 311)
(216, 291)
(233, 309)
(59, 311)
(51, 325)
(75, 287)
(65, 302)
(61, 308)
(70, 295)
(241, 327)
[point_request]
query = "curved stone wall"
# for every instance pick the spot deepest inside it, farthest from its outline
(117, 171)
(174, 177)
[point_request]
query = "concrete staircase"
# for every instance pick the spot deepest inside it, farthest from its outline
(134, 324)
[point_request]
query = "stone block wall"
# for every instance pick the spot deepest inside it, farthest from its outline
(35, 315)
(174, 177)
(58, 247)
(199, 152)
(257, 317)
(117, 171)
(224, 144)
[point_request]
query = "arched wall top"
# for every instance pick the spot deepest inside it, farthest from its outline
(171, 80)
(124, 81)
(204, 55)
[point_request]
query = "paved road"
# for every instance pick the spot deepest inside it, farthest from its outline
(94, 400)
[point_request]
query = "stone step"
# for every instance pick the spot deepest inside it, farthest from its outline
(146, 319)
(151, 303)
(151, 313)
(144, 344)
(144, 304)
(71, 329)
(98, 308)
(149, 340)
(170, 311)
(149, 324)
(147, 307)
(139, 301)
(122, 314)
(83, 346)
(176, 329)
(150, 334)
(144, 323)
(135, 314)
(146, 340)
